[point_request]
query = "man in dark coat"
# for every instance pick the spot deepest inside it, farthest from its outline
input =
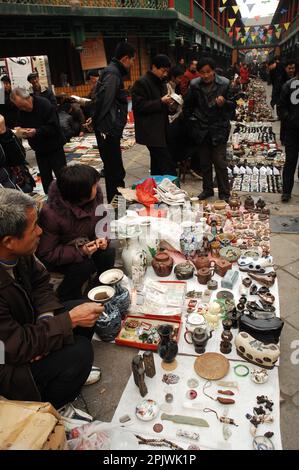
(208, 109)
(47, 357)
(38, 90)
(289, 111)
(8, 109)
(110, 116)
(151, 109)
(41, 127)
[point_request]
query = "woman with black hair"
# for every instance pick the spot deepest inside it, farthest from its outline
(68, 219)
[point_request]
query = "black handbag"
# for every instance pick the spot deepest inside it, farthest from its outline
(265, 330)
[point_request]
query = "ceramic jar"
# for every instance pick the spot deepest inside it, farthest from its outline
(201, 261)
(184, 271)
(122, 298)
(134, 260)
(162, 264)
(219, 205)
(108, 327)
(189, 240)
(167, 348)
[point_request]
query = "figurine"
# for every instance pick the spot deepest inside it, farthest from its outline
(138, 374)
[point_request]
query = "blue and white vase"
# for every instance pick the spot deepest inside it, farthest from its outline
(189, 241)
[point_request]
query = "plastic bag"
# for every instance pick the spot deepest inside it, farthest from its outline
(145, 192)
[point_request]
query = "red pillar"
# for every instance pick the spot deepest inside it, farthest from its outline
(203, 12)
(170, 3)
(213, 15)
(191, 14)
(218, 12)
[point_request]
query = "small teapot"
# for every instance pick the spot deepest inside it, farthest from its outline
(199, 337)
(200, 261)
(162, 264)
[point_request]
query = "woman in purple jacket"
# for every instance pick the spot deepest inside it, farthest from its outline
(68, 219)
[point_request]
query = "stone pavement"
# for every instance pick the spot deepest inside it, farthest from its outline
(101, 399)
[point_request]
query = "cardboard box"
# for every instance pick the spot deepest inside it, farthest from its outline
(30, 426)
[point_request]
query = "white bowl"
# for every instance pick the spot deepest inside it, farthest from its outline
(100, 289)
(111, 276)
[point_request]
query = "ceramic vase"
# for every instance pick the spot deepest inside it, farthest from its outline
(122, 298)
(107, 328)
(167, 348)
(189, 240)
(134, 260)
(148, 241)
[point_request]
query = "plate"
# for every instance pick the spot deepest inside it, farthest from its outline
(112, 276)
(101, 290)
(147, 410)
(211, 366)
(230, 254)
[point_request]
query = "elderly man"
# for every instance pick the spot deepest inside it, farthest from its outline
(40, 124)
(38, 90)
(7, 108)
(48, 353)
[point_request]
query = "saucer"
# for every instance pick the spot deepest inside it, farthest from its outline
(147, 410)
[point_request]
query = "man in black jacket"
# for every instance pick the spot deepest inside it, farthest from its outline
(289, 111)
(40, 124)
(151, 109)
(38, 90)
(110, 116)
(208, 109)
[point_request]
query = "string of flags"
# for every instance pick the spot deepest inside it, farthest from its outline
(264, 33)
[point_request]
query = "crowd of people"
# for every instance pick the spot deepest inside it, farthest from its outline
(179, 113)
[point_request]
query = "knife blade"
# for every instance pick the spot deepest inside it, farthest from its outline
(180, 419)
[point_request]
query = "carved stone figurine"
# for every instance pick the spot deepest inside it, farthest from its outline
(138, 374)
(149, 364)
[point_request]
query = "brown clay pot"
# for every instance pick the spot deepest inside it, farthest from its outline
(222, 266)
(201, 261)
(204, 275)
(162, 264)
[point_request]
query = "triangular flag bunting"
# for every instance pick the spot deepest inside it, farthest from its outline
(238, 28)
(270, 32)
(222, 9)
(228, 30)
(224, 2)
(276, 26)
(256, 28)
(278, 34)
(247, 29)
(231, 21)
(236, 9)
(287, 25)
(243, 40)
(250, 6)
(231, 34)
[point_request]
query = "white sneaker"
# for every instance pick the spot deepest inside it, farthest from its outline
(94, 376)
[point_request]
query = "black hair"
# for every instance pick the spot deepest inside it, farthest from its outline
(5, 79)
(289, 62)
(206, 61)
(75, 182)
(161, 61)
(176, 71)
(124, 49)
(92, 73)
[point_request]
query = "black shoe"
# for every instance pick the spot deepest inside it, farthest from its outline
(204, 195)
(285, 197)
(224, 197)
